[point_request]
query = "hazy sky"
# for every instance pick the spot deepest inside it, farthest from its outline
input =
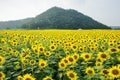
(104, 11)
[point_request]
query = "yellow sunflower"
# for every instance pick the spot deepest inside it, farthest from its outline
(113, 50)
(90, 71)
(99, 64)
(47, 78)
(76, 56)
(47, 53)
(52, 47)
(103, 56)
(71, 60)
(62, 65)
(19, 78)
(74, 47)
(2, 75)
(42, 63)
(104, 72)
(86, 56)
(28, 77)
(72, 75)
(65, 60)
(32, 62)
(2, 60)
(114, 72)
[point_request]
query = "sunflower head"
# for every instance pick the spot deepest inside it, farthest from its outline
(62, 65)
(72, 75)
(2, 75)
(47, 78)
(90, 71)
(42, 63)
(114, 72)
(104, 72)
(28, 77)
(32, 62)
(71, 60)
(2, 60)
(19, 78)
(86, 56)
(47, 53)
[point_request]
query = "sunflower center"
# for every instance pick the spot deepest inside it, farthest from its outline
(103, 55)
(71, 59)
(75, 56)
(62, 65)
(65, 61)
(0, 59)
(42, 64)
(47, 53)
(48, 79)
(90, 72)
(115, 72)
(81, 49)
(0, 48)
(113, 50)
(86, 56)
(71, 75)
(36, 50)
(74, 47)
(105, 72)
(118, 47)
(28, 79)
(41, 49)
(52, 47)
(0, 75)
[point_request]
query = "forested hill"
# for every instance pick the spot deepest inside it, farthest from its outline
(58, 18)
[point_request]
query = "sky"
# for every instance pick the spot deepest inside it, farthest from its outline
(104, 11)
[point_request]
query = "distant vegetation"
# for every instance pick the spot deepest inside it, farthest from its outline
(56, 18)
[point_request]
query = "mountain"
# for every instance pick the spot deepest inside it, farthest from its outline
(15, 24)
(58, 18)
(115, 27)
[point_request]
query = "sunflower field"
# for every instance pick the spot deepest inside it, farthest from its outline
(59, 54)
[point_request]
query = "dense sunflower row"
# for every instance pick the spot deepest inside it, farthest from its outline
(60, 55)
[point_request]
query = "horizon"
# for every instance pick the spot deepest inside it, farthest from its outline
(105, 12)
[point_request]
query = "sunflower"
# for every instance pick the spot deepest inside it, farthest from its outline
(41, 49)
(25, 61)
(99, 64)
(2, 60)
(42, 63)
(32, 62)
(114, 72)
(72, 75)
(90, 71)
(86, 56)
(76, 56)
(47, 78)
(104, 56)
(113, 50)
(52, 47)
(19, 78)
(67, 53)
(47, 53)
(71, 60)
(104, 72)
(2, 75)
(65, 60)
(81, 49)
(28, 77)
(62, 65)
(74, 47)
(1, 48)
